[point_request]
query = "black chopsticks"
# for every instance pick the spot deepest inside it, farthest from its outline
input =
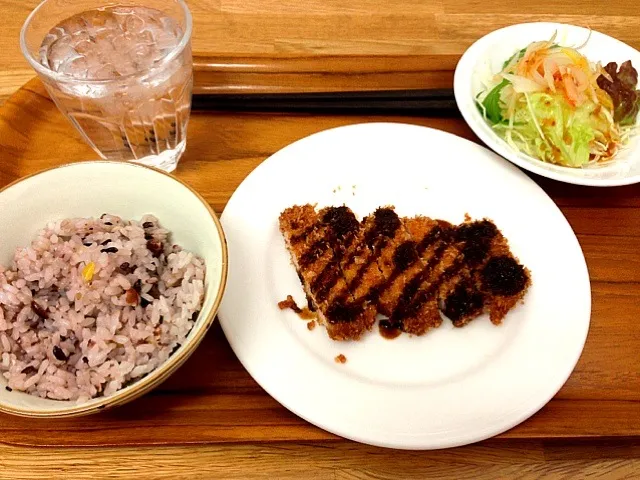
(387, 102)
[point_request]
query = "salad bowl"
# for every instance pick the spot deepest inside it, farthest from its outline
(476, 74)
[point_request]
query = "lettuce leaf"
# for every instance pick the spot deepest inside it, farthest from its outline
(491, 103)
(567, 131)
(623, 91)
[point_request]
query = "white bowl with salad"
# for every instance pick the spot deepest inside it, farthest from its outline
(559, 100)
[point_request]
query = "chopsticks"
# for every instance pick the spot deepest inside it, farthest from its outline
(385, 102)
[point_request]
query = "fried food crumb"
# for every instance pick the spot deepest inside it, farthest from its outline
(307, 314)
(289, 303)
(311, 325)
(304, 313)
(341, 359)
(467, 217)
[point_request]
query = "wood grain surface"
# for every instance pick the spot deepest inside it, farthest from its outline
(213, 414)
(328, 460)
(270, 45)
(217, 422)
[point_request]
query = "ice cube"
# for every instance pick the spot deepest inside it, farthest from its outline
(103, 72)
(85, 46)
(146, 38)
(60, 52)
(127, 68)
(124, 43)
(76, 67)
(134, 24)
(113, 41)
(141, 51)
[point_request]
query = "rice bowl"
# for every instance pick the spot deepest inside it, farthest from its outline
(107, 316)
(94, 304)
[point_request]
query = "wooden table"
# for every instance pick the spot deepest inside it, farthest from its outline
(240, 40)
(211, 420)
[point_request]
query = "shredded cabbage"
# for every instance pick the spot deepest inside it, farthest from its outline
(546, 102)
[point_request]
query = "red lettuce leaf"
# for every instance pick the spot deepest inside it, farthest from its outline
(622, 90)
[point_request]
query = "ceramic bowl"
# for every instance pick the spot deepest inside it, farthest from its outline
(89, 189)
(485, 58)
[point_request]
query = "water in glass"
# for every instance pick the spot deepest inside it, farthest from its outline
(129, 87)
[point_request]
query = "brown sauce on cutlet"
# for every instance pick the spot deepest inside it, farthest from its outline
(435, 234)
(503, 276)
(389, 330)
(477, 237)
(343, 227)
(479, 231)
(371, 259)
(341, 220)
(314, 252)
(342, 312)
(464, 301)
(411, 288)
(418, 249)
(409, 307)
(385, 224)
(405, 255)
(328, 277)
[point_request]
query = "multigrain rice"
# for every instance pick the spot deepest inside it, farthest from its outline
(94, 305)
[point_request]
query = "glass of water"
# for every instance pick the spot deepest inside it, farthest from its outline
(121, 73)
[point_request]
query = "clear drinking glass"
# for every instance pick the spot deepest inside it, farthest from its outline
(122, 73)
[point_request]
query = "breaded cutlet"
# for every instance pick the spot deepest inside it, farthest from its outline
(296, 224)
(360, 272)
(408, 269)
(417, 310)
(385, 236)
(347, 318)
(491, 278)
(317, 242)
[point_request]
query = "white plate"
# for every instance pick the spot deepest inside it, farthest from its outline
(486, 56)
(451, 386)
